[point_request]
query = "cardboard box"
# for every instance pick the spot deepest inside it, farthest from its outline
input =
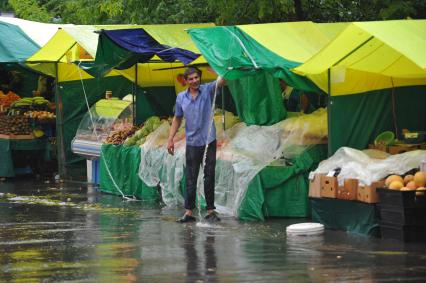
(369, 194)
(349, 190)
(315, 186)
(398, 148)
(329, 187)
(401, 148)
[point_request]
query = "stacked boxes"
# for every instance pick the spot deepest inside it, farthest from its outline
(328, 187)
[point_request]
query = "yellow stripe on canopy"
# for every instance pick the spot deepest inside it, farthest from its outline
(67, 43)
(294, 41)
(55, 49)
(370, 56)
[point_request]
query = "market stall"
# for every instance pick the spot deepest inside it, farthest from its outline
(26, 132)
(375, 76)
(75, 44)
(159, 169)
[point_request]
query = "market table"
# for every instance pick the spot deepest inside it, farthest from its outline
(7, 146)
(351, 216)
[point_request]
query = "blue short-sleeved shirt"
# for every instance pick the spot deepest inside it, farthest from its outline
(197, 114)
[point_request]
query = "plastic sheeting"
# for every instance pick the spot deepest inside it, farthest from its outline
(243, 151)
(358, 165)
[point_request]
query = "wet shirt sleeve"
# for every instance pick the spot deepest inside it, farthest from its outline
(178, 107)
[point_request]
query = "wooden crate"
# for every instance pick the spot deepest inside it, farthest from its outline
(329, 187)
(398, 148)
(22, 137)
(349, 190)
(315, 186)
(369, 194)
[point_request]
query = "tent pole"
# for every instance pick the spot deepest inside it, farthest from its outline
(329, 111)
(134, 95)
(60, 127)
(223, 109)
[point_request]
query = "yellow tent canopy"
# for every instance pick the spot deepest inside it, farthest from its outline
(73, 43)
(294, 41)
(371, 56)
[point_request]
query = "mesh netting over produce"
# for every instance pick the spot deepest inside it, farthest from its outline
(242, 152)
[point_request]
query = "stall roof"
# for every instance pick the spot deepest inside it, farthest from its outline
(121, 49)
(15, 45)
(371, 55)
(85, 36)
(65, 44)
(295, 41)
(240, 51)
(40, 33)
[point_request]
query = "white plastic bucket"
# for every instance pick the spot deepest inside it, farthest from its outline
(305, 229)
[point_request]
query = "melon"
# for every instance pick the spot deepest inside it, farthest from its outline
(411, 185)
(420, 179)
(396, 185)
(392, 178)
(408, 178)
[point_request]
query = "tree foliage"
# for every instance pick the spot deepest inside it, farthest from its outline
(222, 12)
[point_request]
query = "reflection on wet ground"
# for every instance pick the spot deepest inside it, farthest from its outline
(68, 232)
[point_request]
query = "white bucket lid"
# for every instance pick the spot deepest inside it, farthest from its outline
(308, 228)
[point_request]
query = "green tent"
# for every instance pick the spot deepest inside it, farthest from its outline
(375, 75)
(253, 57)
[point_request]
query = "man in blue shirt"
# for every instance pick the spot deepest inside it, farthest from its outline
(195, 104)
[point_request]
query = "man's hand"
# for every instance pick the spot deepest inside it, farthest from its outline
(171, 146)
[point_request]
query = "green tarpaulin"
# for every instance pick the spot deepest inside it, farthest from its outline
(122, 164)
(356, 120)
(252, 72)
(351, 216)
(7, 168)
(279, 191)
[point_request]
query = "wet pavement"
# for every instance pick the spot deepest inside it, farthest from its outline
(71, 233)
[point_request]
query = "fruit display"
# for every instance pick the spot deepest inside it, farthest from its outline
(139, 137)
(15, 125)
(40, 115)
(8, 99)
(416, 182)
(36, 103)
(119, 136)
(306, 128)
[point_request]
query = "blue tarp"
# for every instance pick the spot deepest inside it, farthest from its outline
(121, 49)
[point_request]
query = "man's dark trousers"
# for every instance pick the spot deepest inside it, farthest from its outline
(194, 159)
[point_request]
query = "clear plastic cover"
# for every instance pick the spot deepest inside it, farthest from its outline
(357, 164)
(103, 117)
(242, 152)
